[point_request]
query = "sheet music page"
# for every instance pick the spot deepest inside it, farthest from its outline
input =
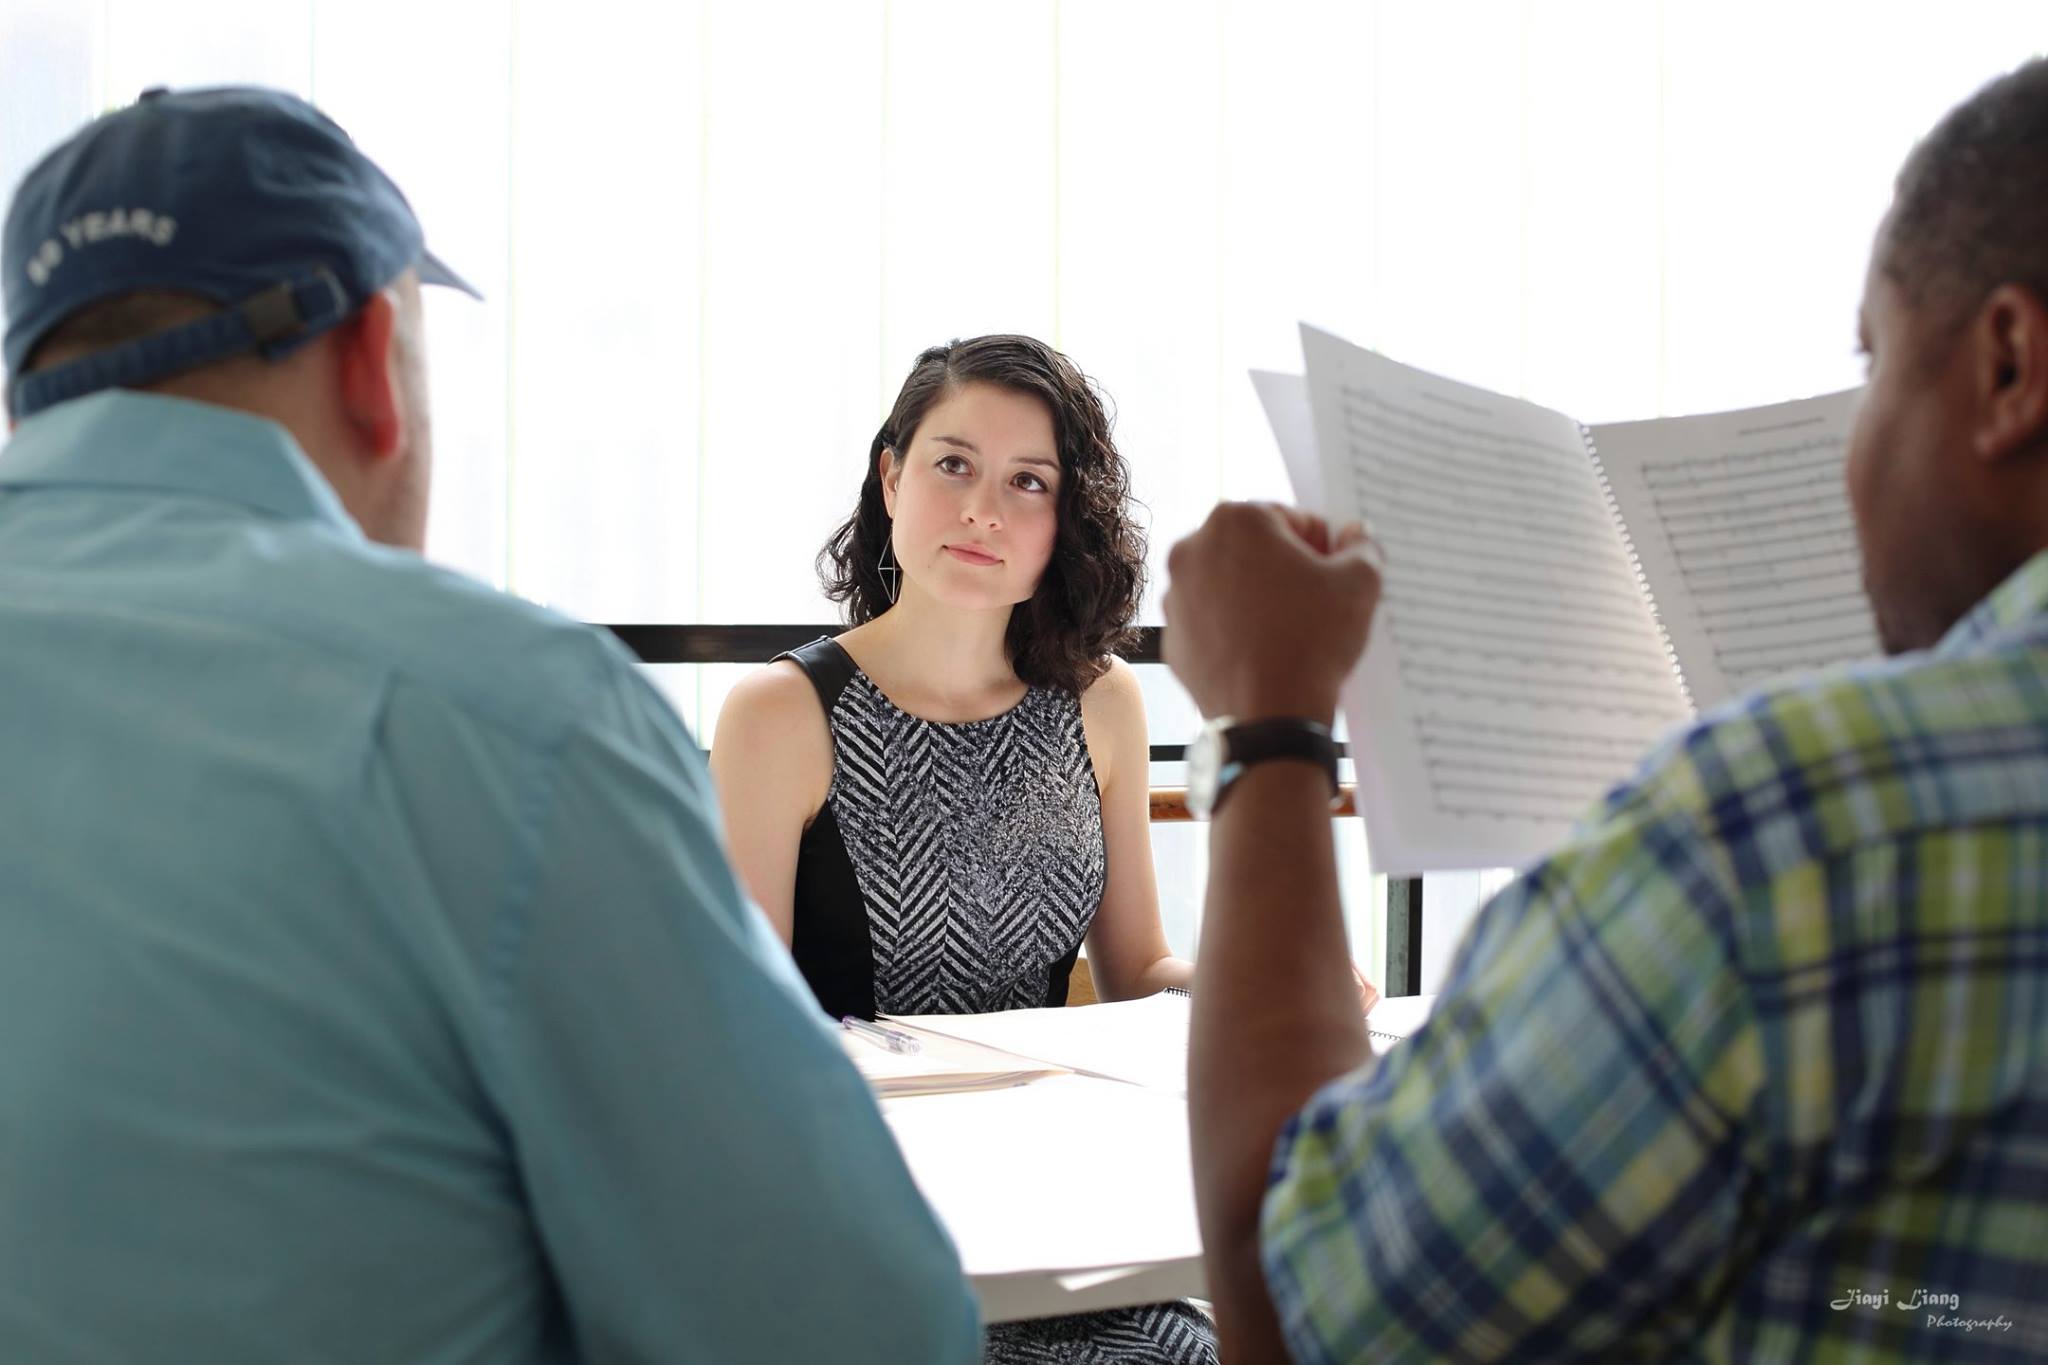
(1514, 671)
(1285, 399)
(1742, 525)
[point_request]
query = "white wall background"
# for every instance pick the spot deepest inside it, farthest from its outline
(715, 234)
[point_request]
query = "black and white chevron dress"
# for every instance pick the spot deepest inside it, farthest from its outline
(955, 869)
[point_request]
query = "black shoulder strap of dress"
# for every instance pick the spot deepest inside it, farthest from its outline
(829, 668)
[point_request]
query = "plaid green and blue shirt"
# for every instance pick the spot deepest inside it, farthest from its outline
(1755, 1067)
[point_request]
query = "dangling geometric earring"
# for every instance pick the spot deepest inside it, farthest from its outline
(888, 567)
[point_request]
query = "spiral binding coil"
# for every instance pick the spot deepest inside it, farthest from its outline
(1635, 565)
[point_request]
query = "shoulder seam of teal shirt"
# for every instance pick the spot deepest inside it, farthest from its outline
(509, 923)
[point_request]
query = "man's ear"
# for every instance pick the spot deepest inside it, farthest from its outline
(2010, 372)
(891, 470)
(369, 388)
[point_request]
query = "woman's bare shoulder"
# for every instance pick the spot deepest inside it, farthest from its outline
(772, 722)
(776, 691)
(1115, 696)
(1113, 719)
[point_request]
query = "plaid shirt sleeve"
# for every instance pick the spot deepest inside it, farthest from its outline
(1558, 1159)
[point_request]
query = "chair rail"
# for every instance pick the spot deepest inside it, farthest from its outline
(1170, 804)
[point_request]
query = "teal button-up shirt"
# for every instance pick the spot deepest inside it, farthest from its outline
(372, 983)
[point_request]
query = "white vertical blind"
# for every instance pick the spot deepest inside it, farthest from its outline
(603, 309)
(715, 234)
(968, 184)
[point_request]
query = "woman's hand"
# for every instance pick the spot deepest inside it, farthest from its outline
(1368, 994)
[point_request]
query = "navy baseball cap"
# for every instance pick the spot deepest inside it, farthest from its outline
(249, 197)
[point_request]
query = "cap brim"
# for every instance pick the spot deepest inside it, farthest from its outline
(433, 270)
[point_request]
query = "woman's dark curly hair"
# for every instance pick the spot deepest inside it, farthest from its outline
(1085, 602)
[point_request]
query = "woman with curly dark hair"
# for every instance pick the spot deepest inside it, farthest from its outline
(938, 806)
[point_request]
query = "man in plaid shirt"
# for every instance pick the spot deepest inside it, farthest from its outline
(1755, 1067)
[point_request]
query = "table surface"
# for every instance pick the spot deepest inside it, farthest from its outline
(1074, 1193)
(1064, 1195)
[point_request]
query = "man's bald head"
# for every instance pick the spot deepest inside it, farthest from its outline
(1970, 210)
(1947, 469)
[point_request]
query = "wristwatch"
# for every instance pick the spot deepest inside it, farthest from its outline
(1225, 748)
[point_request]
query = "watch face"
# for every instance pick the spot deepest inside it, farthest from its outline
(1205, 766)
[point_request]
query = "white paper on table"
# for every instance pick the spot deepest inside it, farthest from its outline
(1285, 399)
(1089, 1279)
(942, 1065)
(1395, 1018)
(1514, 670)
(1143, 1042)
(1066, 1175)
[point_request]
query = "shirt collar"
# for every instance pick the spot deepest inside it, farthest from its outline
(121, 439)
(2020, 598)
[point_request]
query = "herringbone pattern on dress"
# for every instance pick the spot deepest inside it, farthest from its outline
(977, 846)
(1157, 1334)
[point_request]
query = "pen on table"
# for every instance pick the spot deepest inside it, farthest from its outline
(892, 1039)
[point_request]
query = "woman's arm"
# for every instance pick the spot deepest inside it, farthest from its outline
(771, 758)
(1127, 954)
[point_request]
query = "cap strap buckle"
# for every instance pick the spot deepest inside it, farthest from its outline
(290, 310)
(272, 323)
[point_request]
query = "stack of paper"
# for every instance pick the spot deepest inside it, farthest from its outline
(941, 1066)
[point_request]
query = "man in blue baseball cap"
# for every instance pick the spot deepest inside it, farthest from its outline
(201, 244)
(284, 241)
(372, 982)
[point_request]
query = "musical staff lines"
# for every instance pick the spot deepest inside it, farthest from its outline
(1764, 548)
(1505, 771)
(1519, 633)
(1568, 649)
(1528, 688)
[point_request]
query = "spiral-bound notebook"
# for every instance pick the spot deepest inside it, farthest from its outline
(1556, 596)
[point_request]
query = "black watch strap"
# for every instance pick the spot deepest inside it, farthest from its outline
(1257, 741)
